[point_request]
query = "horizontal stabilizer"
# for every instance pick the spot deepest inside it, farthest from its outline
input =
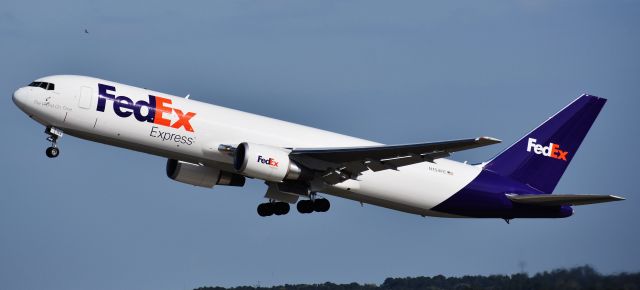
(561, 199)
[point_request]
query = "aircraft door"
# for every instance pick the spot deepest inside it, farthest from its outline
(81, 118)
(86, 97)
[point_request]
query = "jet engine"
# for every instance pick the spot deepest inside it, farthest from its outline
(200, 175)
(265, 162)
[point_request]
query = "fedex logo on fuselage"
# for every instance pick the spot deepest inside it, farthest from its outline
(156, 106)
(553, 150)
(269, 161)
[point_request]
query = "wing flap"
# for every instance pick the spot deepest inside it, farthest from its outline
(346, 154)
(339, 164)
(561, 199)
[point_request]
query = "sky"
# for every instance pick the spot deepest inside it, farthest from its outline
(101, 217)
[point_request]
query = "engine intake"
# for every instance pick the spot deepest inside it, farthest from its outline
(265, 162)
(200, 175)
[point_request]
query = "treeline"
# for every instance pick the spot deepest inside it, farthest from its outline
(584, 277)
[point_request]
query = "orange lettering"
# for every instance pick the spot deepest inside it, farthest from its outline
(554, 150)
(183, 120)
(160, 109)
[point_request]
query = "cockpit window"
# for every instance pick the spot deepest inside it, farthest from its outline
(44, 85)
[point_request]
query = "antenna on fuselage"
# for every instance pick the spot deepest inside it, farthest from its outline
(187, 97)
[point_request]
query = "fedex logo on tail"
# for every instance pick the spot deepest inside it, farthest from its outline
(553, 150)
(271, 162)
(156, 108)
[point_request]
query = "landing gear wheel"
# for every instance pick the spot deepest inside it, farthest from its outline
(271, 208)
(321, 205)
(280, 208)
(265, 209)
(52, 152)
(305, 206)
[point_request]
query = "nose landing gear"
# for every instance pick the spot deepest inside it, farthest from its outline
(54, 134)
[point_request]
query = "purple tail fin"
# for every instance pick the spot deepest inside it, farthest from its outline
(540, 158)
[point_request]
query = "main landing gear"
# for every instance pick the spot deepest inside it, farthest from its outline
(317, 205)
(271, 208)
(304, 206)
(54, 134)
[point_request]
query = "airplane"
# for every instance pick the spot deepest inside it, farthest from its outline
(207, 145)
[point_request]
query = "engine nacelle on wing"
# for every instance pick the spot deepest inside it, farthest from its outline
(265, 162)
(200, 175)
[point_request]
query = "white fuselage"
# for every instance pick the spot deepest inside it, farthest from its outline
(74, 107)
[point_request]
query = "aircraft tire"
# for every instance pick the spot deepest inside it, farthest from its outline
(52, 152)
(265, 209)
(305, 206)
(281, 208)
(321, 205)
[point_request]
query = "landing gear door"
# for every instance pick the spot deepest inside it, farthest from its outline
(86, 97)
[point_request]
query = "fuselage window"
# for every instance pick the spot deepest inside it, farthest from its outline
(44, 85)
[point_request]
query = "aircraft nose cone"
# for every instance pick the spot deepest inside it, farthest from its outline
(20, 98)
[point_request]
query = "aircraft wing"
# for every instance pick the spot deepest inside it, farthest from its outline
(340, 164)
(561, 199)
